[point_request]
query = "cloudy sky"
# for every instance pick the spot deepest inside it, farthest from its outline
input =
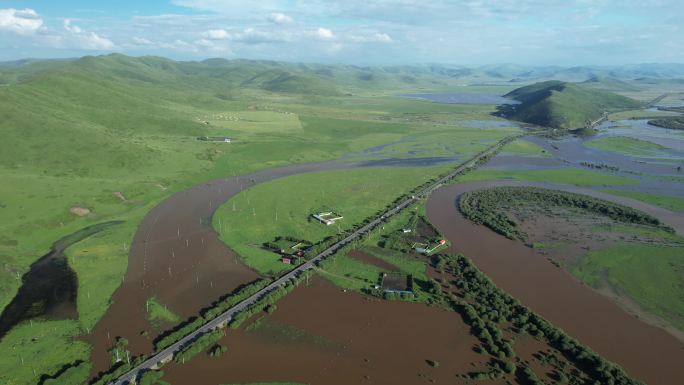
(469, 32)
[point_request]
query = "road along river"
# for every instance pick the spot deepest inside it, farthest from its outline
(201, 202)
(177, 257)
(646, 352)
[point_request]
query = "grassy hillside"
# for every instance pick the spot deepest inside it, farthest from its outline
(117, 135)
(563, 105)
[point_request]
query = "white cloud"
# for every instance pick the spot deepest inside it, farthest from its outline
(142, 41)
(279, 18)
(372, 38)
(21, 21)
(86, 40)
(215, 34)
(71, 28)
(324, 34)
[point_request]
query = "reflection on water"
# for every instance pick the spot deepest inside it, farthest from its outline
(49, 288)
(462, 98)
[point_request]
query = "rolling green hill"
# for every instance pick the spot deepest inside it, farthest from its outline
(562, 105)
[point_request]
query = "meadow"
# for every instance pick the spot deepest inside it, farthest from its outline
(355, 194)
(651, 275)
(574, 176)
(627, 146)
(116, 135)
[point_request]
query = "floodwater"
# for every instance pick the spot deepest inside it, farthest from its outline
(363, 341)
(489, 123)
(462, 98)
(50, 287)
(640, 129)
(572, 150)
(177, 257)
(646, 352)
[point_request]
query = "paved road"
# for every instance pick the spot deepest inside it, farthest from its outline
(166, 354)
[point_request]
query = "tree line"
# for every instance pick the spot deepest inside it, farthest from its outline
(484, 207)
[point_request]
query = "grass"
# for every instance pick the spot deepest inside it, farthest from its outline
(651, 275)
(157, 313)
(640, 114)
(574, 176)
(62, 149)
(666, 201)
(355, 194)
(405, 263)
(625, 145)
(563, 105)
(350, 273)
(525, 148)
(37, 345)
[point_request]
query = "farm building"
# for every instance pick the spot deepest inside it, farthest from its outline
(424, 248)
(327, 218)
(397, 283)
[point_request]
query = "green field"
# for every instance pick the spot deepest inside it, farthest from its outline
(669, 202)
(62, 149)
(575, 176)
(627, 146)
(651, 275)
(355, 194)
(117, 135)
(525, 148)
(563, 105)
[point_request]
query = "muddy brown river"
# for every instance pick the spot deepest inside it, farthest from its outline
(177, 257)
(321, 334)
(646, 352)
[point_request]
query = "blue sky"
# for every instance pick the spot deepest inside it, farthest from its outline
(468, 32)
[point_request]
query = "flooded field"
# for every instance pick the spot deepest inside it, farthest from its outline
(646, 352)
(327, 336)
(462, 98)
(50, 287)
(177, 258)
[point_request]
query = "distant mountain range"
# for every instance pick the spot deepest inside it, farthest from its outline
(335, 79)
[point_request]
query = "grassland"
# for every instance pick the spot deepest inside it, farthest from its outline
(669, 202)
(574, 176)
(563, 105)
(355, 194)
(157, 313)
(524, 148)
(116, 135)
(640, 114)
(626, 145)
(651, 275)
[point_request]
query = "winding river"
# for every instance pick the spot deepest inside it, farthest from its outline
(646, 352)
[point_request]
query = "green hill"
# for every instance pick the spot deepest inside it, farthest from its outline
(563, 105)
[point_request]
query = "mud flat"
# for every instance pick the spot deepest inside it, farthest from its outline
(647, 353)
(360, 340)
